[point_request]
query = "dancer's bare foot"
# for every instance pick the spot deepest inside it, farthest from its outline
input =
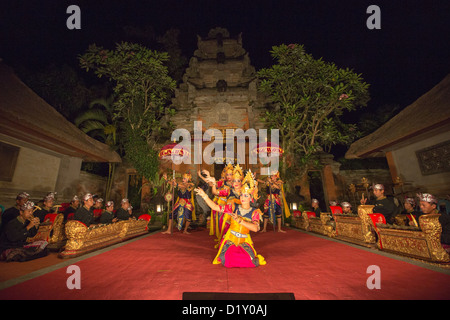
(263, 230)
(282, 231)
(185, 232)
(169, 228)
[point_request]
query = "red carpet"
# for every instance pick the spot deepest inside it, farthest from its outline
(163, 267)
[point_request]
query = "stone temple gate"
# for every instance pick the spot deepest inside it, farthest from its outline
(219, 90)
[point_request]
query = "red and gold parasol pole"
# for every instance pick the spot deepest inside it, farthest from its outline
(169, 152)
(275, 151)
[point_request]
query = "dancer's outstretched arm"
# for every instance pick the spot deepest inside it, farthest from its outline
(214, 206)
(212, 182)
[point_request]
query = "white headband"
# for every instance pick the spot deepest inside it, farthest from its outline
(27, 206)
(87, 196)
(426, 197)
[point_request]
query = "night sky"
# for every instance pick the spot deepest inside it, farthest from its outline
(401, 61)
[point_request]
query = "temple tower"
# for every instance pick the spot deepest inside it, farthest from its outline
(219, 88)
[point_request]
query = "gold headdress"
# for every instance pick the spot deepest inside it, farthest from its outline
(237, 172)
(276, 173)
(228, 167)
(188, 176)
(249, 185)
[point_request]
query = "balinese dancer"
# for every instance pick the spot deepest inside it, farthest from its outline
(236, 248)
(273, 204)
(225, 183)
(184, 206)
(231, 194)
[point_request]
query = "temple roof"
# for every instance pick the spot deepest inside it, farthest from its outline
(27, 117)
(430, 112)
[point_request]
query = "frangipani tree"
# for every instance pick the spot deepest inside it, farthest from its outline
(307, 97)
(142, 90)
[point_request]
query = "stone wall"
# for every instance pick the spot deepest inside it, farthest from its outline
(408, 167)
(220, 93)
(39, 171)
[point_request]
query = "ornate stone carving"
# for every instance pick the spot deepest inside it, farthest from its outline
(220, 71)
(213, 33)
(221, 85)
(434, 159)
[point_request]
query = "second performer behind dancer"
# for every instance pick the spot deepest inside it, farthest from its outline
(183, 209)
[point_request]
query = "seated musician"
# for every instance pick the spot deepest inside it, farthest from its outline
(98, 203)
(346, 208)
(125, 211)
(74, 204)
(410, 210)
(108, 215)
(13, 212)
(315, 207)
(84, 213)
(428, 205)
(98, 208)
(47, 207)
(382, 204)
(13, 241)
(333, 203)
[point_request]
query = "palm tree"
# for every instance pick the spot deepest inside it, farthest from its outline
(98, 123)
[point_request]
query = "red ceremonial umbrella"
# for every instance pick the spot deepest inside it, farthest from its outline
(272, 149)
(174, 149)
(269, 149)
(171, 152)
